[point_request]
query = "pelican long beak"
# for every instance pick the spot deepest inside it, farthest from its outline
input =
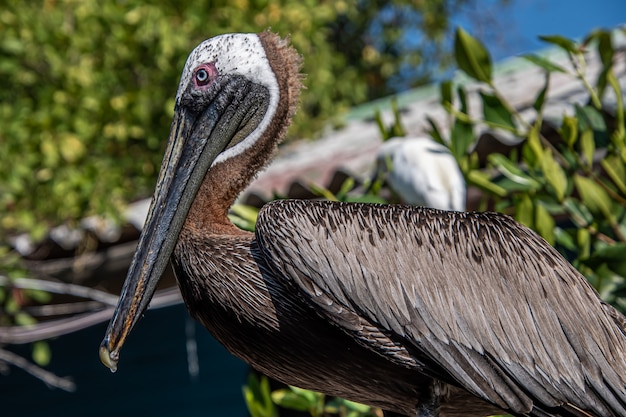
(194, 143)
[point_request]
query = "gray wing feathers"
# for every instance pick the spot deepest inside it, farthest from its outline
(486, 299)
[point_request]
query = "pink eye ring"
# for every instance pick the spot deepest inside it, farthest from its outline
(205, 74)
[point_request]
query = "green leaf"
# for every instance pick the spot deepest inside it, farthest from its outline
(361, 408)
(524, 210)
(367, 198)
(569, 130)
(471, 56)
(613, 252)
(434, 131)
(258, 398)
(544, 63)
(562, 42)
(397, 129)
(533, 143)
(584, 243)
(544, 223)
(512, 171)
(381, 125)
(40, 296)
(605, 47)
(619, 135)
(594, 196)
(606, 52)
(41, 353)
(291, 400)
(578, 211)
(346, 408)
(244, 216)
(24, 319)
(323, 192)
(564, 239)
(460, 91)
(541, 97)
(616, 170)
(445, 89)
(587, 146)
(482, 181)
(313, 397)
(590, 118)
(612, 255)
(461, 137)
(555, 176)
(495, 112)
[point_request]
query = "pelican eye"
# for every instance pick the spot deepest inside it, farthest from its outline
(202, 76)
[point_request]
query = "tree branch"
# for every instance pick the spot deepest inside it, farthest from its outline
(66, 384)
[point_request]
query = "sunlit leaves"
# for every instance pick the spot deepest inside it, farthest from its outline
(514, 172)
(86, 95)
(594, 196)
(554, 174)
(41, 353)
(262, 402)
(541, 97)
(244, 216)
(471, 56)
(462, 135)
(317, 404)
(484, 182)
(257, 394)
(587, 147)
(571, 187)
(616, 169)
(569, 130)
(562, 42)
(445, 89)
(544, 223)
(496, 113)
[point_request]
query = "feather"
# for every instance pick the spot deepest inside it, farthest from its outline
(491, 304)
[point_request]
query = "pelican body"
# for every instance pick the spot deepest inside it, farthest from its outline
(417, 311)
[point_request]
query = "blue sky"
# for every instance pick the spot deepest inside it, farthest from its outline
(513, 29)
(523, 20)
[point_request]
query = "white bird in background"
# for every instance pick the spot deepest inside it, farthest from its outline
(422, 172)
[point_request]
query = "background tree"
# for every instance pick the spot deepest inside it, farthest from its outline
(86, 88)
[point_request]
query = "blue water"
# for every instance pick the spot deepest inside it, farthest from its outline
(152, 379)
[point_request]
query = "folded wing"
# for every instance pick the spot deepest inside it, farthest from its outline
(489, 304)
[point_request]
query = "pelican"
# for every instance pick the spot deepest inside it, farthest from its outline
(418, 311)
(422, 172)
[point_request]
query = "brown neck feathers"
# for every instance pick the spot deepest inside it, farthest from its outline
(224, 181)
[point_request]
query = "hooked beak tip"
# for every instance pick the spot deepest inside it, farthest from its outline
(108, 358)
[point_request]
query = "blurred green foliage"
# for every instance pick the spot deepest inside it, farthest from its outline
(263, 402)
(571, 190)
(86, 88)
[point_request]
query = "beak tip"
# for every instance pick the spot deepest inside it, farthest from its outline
(108, 358)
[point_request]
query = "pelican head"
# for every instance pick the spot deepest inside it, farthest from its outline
(228, 102)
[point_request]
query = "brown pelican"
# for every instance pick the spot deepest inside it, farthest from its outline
(417, 311)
